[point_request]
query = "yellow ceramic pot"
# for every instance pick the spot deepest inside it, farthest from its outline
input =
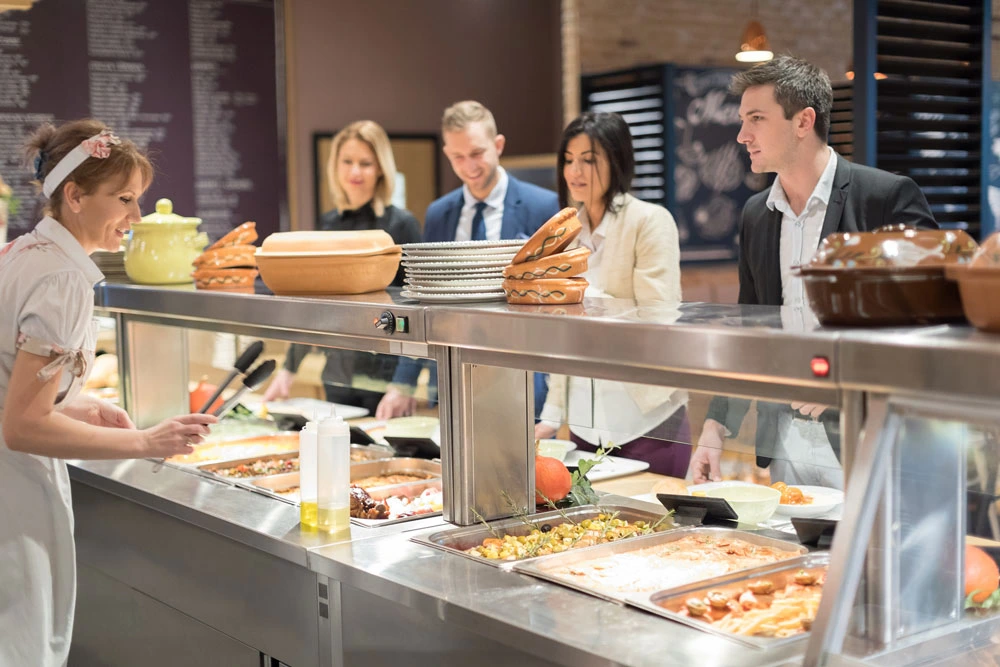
(163, 246)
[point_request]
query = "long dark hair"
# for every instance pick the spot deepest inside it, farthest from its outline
(610, 131)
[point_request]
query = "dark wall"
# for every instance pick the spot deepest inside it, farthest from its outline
(400, 63)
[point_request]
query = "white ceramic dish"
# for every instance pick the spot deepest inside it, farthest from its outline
(467, 245)
(483, 283)
(611, 467)
(825, 500)
(454, 274)
(309, 408)
(438, 265)
(412, 427)
(557, 449)
(453, 289)
(471, 253)
(453, 298)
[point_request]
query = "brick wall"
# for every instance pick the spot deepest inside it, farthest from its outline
(616, 34)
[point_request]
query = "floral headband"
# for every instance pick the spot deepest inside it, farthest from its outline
(98, 146)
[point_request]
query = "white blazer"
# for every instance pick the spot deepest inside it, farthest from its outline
(640, 260)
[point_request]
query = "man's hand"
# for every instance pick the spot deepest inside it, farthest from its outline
(395, 404)
(811, 410)
(707, 457)
(544, 431)
(97, 412)
(280, 387)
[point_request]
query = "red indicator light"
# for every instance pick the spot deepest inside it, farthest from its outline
(820, 366)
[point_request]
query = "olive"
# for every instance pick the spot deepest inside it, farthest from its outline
(546, 527)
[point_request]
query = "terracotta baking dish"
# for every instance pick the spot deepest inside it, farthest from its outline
(558, 291)
(551, 238)
(888, 277)
(355, 243)
(562, 265)
(328, 273)
(979, 285)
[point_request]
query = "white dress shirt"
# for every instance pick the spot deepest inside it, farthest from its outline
(492, 214)
(594, 240)
(800, 234)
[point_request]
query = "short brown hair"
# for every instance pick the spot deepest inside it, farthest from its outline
(797, 84)
(458, 116)
(372, 134)
(50, 144)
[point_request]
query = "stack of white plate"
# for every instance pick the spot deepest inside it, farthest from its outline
(111, 264)
(457, 271)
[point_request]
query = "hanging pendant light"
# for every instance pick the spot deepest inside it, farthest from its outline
(754, 47)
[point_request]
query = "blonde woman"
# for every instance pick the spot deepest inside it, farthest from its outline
(362, 174)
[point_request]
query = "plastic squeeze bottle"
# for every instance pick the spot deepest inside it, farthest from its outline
(308, 475)
(334, 475)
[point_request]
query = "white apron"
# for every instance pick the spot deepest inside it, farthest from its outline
(37, 552)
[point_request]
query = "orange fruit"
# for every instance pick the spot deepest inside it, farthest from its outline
(552, 479)
(202, 393)
(981, 573)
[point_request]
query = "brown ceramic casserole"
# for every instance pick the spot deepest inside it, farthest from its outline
(979, 285)
(551, 238)
(562, 265)
(328, 274)
(559, 291)
(889, 277)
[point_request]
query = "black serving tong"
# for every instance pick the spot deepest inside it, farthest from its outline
(252, 381)
(239, 368)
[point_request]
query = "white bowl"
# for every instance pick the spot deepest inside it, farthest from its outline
(557, 449)
(752, 503)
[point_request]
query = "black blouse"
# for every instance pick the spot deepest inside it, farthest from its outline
(398, 222)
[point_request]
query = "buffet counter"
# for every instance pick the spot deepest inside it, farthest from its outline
(167, 553)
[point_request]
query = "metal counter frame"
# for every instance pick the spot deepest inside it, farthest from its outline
(485, 353)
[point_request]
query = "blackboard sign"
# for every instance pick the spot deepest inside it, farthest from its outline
(711, 171)
(194, 82)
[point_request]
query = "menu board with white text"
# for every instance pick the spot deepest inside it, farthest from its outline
(192, 82)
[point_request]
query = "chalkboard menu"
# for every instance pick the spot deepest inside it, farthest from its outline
(711, 171)
(684, 125)
(194, 83)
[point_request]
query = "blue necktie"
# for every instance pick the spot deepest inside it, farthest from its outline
(478, 223)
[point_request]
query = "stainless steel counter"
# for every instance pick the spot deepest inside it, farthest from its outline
(524, 614)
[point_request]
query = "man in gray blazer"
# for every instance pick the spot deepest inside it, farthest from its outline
(785, 113)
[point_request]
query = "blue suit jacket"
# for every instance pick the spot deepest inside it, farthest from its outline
(526, 207)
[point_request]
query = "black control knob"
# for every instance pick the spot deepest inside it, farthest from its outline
(386, 322)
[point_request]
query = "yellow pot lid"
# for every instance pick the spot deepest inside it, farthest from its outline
(165, 215)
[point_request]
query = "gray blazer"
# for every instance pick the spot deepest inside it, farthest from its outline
(863, 199)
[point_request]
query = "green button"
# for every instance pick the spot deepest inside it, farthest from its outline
(401, 325)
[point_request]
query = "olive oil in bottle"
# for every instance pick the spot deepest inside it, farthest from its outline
(334, 475)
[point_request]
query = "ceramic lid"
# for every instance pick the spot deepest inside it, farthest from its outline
(165, 215)
(894, 247)
(363, 242)
(988, 255)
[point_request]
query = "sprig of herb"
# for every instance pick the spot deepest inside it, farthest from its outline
(581, 492)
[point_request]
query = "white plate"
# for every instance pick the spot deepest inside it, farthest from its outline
(411, 264)
(557, 449)
(454, 298)
(708, 486)
(456, 255)
(824, 498)
(487, 283)
(466, 245)
(455, 289)
(610, 467)
(472, 273)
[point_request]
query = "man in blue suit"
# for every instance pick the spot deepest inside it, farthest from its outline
(491, 205)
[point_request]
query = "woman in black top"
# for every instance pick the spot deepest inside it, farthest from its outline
(362, 175)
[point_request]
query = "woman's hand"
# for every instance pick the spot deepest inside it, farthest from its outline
(395, 404)
(175, 436)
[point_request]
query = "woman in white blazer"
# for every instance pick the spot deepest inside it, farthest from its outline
(635, 255)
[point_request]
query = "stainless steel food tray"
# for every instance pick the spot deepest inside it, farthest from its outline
(457, 540)
(410, 489)
(395, 466)
(665, 603)
(370, 453)
(214, 468)
(543, 567)
(271, 484)
(234, 442)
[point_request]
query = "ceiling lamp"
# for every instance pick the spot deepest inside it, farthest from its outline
(754, 47)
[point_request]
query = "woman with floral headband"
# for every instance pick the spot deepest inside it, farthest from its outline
(92, 182)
